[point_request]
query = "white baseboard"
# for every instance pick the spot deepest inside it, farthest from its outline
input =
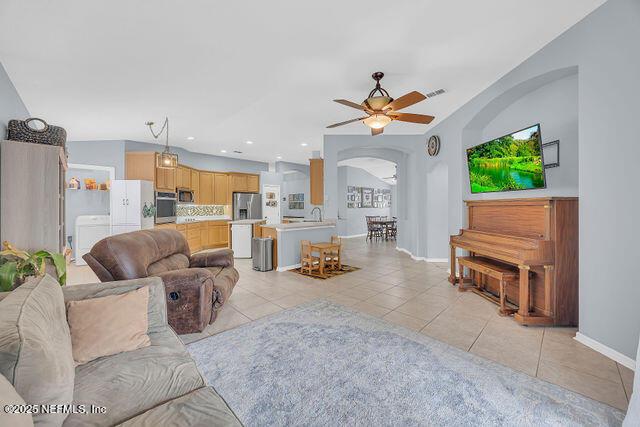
(288, 267)
(607, 351)
(353, 236)
(418, 258)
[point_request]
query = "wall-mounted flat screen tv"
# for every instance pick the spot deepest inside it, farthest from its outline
(511, 162)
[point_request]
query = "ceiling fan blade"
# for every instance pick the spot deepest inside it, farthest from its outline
(375, 132)
(412, 118)
(335, 125)
(405, 101)
(349, 104)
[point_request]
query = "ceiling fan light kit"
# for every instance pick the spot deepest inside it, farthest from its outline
(377, 121)
(382, 109)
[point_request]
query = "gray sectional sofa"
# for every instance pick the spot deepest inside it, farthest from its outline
(151, 386)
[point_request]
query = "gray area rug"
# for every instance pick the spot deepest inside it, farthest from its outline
(321, 364)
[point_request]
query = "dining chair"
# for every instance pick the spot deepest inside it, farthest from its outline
(307, 260)
(332, 259)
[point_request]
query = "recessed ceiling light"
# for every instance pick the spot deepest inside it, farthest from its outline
(223, 151)
(249, 142)
(278, 157)
(191, 138)
(304, 144)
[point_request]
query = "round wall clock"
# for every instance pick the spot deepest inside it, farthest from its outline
(433, 145)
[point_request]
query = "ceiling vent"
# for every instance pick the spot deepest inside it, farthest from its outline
(435, 93)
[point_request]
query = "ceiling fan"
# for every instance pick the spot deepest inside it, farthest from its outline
(382, 109)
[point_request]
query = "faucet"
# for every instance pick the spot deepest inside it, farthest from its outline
(319, 212)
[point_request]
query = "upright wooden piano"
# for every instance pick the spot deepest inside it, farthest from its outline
(540, 237)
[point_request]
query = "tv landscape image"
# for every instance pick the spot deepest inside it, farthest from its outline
(512, 162)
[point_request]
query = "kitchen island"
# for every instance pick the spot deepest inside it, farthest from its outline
(287, 237)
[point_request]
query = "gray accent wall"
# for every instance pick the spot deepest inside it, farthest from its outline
(11, 105)
(599, 55)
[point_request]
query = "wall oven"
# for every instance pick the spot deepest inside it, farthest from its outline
(165, 207)
(185, 196)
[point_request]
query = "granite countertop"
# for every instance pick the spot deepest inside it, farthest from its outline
(301, 225)
(246, 221)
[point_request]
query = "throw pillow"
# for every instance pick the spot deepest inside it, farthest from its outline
(108, 325)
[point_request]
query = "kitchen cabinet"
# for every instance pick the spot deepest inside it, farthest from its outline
(238, 182)
(140, 165)
(166, 179)
(195, 185)
(183, 177)
(316, 172)
(204, 234)
(221, 193)
(193, 236)
(218, 234)
(206, 188)
(253, 183)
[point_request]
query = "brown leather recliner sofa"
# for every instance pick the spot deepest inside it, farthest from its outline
(196, 286)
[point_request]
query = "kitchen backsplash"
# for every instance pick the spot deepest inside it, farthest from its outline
(200, 210)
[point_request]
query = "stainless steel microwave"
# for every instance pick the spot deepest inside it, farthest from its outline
(186, 196)
(165, 207)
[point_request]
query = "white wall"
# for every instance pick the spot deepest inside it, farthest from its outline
(354, 219)
(293, 183)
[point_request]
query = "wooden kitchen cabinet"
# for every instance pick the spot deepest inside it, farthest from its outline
(193, 236)
(221, 193)
(206, 188)
(166, 179)
(316, 172)
(195, 185)
(183, 177)
(238, 182)
(204, 234)
(253, 183)
(140, 165)
(218, 234)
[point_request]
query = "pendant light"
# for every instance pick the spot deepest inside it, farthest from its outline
(166, 159)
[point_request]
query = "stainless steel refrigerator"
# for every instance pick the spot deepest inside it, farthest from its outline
(247, 206)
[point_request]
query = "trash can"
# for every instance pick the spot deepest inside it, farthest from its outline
(262, 248)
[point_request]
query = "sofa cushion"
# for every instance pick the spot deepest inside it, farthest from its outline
(172, 262)
(108, 325)
(8, 397)
(35, 345)
(128, 384)
(203, 407)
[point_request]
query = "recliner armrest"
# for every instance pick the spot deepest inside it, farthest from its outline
(219, 258)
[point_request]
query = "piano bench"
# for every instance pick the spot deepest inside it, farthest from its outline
(504, 273)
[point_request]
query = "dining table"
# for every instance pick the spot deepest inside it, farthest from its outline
(322, 248)
(385, 224)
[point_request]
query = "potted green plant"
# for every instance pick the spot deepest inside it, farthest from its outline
(16, 265)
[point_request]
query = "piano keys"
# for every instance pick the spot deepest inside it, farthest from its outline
(540, 237)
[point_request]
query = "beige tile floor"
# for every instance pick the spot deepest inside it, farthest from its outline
(416, 295)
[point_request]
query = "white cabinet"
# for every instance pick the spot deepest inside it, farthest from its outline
(132, 203)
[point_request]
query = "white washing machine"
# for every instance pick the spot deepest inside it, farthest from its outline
(89, 230)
